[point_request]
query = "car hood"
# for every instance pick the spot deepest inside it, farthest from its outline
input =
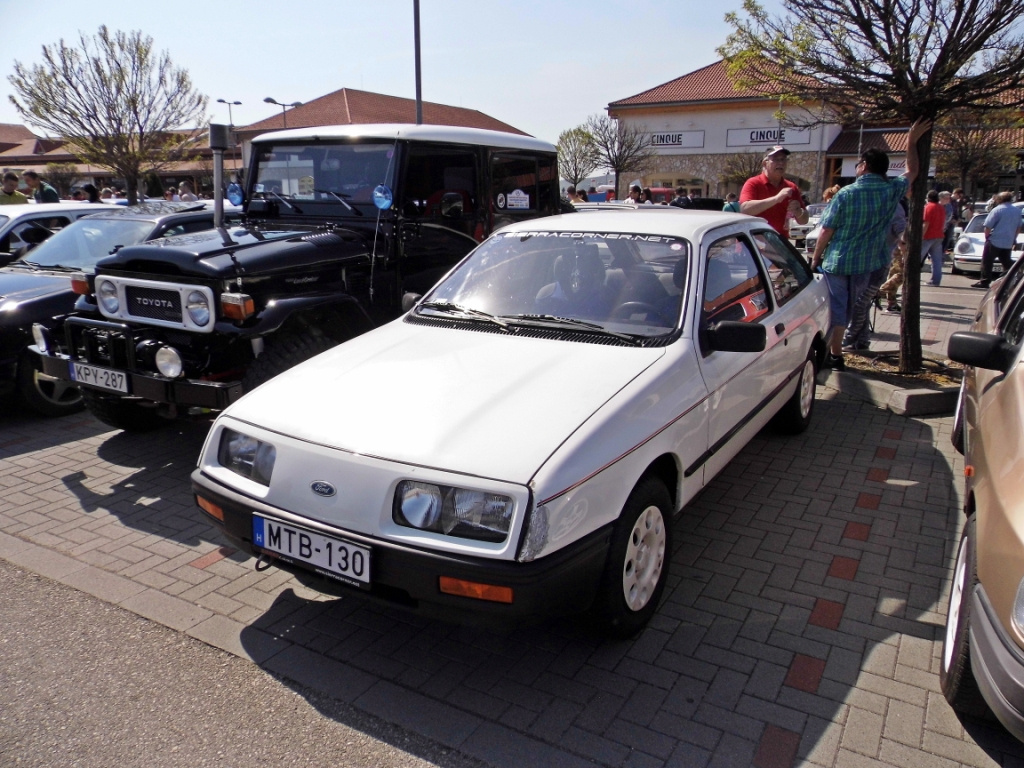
(484, 404)
(19, 284)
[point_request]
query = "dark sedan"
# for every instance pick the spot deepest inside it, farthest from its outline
(37, 287)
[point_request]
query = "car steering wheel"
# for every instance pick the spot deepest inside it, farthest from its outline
(626, 310)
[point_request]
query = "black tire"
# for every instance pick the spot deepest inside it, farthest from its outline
(638, 561)
(43, 394)
(795, 416)
(122, 413)
(283, 351)
(955, 676)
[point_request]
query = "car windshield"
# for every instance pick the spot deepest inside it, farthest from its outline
(338, 175)
(816, 209)
(626, 282)
(975, 225)
(82, 244)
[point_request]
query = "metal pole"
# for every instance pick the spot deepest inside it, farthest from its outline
(419, 89)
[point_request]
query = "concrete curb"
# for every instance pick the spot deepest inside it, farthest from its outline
(904, 402)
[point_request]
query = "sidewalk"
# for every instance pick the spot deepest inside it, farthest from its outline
(802, 624)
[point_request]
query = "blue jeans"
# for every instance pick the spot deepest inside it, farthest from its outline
(933, 248)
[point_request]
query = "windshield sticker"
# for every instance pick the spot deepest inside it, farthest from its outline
(519, 200)
(675, 241)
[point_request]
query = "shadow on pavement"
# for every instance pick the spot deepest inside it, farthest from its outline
(803, 622)
(145, 481)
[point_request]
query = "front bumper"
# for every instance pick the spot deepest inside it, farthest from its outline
(198, 393)
(561, 583)
(998, 665)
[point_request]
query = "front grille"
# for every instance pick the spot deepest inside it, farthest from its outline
(153, 303)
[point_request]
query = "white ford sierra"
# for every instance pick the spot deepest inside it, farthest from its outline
(519, 442)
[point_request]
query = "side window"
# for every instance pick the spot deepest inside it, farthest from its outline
(52, 223)
(787, 271)
(440, 183)
(733, 287)
(516, 184)
(1012, 321)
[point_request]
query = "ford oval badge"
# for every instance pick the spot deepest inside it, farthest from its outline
(322, 488)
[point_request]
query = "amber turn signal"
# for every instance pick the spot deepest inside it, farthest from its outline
(968, 471)
(80, 283)
(210, 508)
(476, 590)
(237, 306)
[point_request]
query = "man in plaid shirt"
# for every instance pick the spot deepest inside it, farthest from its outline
(853, 231)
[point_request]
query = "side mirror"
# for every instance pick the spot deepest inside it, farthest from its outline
(409, 300)
(734, 336)
(981, 350)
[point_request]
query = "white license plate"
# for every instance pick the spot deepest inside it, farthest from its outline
(328, 555)
(102, 378)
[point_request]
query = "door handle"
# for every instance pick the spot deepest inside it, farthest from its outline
(779, 328)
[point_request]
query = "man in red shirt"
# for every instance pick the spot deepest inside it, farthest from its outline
(771, 196)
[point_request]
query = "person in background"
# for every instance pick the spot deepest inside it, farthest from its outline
(91, 193)
(634, 194)
(171, 195)
(771, 196)
(732, 203)
(106, 193)
(573, 195)
(854, 228)
(946, 201)
(185, 193)
(41, 191)
(646, 197)
(583, 196)
(78, 195)
(9, 194)
(1002, 225)
(681, 200)
(931, 238)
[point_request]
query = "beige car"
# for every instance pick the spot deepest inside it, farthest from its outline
(983, 652)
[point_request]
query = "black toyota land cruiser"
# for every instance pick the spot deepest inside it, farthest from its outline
(340, 223)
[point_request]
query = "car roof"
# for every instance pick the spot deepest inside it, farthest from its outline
(155, 209)
(398, 131)
(645, 219)
(31, 209)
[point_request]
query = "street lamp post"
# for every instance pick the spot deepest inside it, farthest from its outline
(284, 116)
(231, 120)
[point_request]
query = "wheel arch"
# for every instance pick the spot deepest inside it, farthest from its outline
(666, 469)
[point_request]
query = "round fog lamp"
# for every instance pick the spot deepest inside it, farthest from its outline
(106, 292)
(168, 362)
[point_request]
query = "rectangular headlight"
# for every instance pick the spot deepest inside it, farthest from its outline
(452, 511)
(247, 456)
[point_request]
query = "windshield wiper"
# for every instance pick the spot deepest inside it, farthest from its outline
(552, 321)
(468, 312)
(338, 197)
(290, 205)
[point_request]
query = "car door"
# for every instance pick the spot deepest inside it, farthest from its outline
(789, 332)
(734, 289)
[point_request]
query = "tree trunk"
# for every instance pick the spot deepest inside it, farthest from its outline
(910, 320)
(131, 183)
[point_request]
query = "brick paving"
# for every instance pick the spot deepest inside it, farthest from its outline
(802, 624)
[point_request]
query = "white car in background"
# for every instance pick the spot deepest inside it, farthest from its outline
(27, 225)
(521, 440)
(798, 232)
(971, 244)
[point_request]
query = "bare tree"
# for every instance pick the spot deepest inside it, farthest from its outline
(620, 147)
(577, 155)
(974, 147)
(886, 60)
(119, 103)
(62, 176)
(740, 166)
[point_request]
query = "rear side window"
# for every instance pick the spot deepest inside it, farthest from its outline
(787, 271)
(733, 287)
(515, 184)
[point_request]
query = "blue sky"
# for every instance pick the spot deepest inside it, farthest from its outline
(540, 66)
